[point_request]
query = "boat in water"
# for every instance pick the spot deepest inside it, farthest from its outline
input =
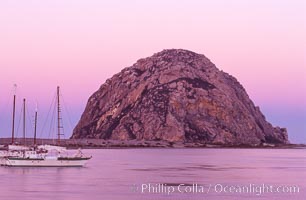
(51, 158)
(42, 155)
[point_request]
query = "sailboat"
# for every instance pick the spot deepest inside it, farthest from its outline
(12, 150)
(52, 158)
(48, 155)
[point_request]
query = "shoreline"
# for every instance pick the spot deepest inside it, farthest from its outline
(134, 144)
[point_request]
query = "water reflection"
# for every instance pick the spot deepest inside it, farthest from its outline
(112, 173)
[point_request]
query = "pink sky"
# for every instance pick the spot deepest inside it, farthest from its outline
(79, 44)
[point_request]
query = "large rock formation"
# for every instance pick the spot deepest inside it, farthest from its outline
(175, 95)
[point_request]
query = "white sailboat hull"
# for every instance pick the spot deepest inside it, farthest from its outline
(5, 154)
(45, 162)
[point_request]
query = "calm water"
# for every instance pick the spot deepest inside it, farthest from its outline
(126, 174)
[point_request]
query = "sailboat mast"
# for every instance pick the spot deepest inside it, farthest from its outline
(14, 109)
(35, 125)
(58, 117)
(24, 124)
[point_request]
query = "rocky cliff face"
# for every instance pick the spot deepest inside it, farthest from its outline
(175, 95)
